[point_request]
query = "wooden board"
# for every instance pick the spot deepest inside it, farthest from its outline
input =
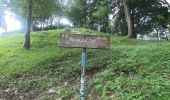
(84, 41)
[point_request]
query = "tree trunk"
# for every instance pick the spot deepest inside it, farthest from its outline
(58, 21)
(157, 34)
(32, 24)
(5, 26)
(51, 23)
(86, 14)
(28, 26)
(42, 27)
(129, 20)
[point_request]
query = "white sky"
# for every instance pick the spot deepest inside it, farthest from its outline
(66, 21)
(12, 23)
(1, 30)
(168, 1)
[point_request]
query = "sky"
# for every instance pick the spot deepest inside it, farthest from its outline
(12, 22)
(168, 1)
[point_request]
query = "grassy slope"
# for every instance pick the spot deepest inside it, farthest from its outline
(132, 69)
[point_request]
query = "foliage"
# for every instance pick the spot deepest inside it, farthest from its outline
(101, 13)
(41, 8)
(147, 16)
(77, 11)
(92, 14)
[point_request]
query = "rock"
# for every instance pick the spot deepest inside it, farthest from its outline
(52, 91)
(21, 97)
(65, 84)
(7, 90)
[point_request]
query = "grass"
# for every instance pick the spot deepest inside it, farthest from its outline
(130, 70)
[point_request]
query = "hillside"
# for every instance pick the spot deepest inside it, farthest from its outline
(130, 70)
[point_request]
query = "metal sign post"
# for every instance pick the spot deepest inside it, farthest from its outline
(82, 78)
(83, 41)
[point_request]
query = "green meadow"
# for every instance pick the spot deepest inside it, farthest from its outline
(131, 70)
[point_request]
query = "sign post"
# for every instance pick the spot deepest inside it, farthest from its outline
(82, 78)
(83, 41)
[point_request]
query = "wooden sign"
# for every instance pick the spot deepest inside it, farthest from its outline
(84, 41)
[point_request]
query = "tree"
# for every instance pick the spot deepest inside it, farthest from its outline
(92, 14)
(44, 11)
(143, 15)
(39, 11)
(129, 20)
(101, 14)
(77, 12)
(28, 26)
